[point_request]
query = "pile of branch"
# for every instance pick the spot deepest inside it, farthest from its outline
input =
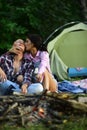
(27, 109)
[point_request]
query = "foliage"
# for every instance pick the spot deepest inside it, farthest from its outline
(19, 17)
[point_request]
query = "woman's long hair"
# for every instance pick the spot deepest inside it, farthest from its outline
(37, 41)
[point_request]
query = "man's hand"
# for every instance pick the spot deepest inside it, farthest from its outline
(24, 88)
(3, 76)
(20, 78)
(14, 50)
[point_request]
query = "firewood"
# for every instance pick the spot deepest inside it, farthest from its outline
(67, 101)
(10, 108)
(28, 108)
(77, 105)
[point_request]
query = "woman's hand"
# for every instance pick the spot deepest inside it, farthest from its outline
(39, 77)
(24, 88)
(3, 76)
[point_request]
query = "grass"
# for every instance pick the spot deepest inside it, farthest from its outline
(73, 123)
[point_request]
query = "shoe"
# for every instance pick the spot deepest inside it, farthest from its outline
(17, 93)
(9, 90)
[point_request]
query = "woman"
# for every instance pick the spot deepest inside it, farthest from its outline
(40, 57)
(16, 71)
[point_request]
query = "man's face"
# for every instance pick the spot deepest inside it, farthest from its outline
(19, 45)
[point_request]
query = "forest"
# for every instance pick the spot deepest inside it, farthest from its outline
(19, 17)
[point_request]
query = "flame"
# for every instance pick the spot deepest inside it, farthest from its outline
(41, 112)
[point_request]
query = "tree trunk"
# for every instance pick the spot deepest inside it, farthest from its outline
(84, 8)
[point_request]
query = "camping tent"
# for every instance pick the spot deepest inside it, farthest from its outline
(68, 49)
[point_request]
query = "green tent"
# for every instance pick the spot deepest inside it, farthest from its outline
(68, 49)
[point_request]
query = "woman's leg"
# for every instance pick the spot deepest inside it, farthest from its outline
(49, 82)
(35, 88)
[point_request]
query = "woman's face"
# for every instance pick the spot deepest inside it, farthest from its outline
(19, 45)
(28, 45)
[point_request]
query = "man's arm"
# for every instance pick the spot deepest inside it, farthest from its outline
(14, 50)
(27, 76)
(3, 76)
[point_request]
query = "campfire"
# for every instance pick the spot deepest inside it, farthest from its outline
(32, 109)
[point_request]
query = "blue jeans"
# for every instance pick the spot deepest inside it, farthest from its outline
(33, 88)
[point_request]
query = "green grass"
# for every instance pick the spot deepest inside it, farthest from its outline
(73, 123)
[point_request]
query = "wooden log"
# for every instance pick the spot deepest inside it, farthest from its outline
(78, 105)
(23, 98)
(10, 108)
(7, 117)
(82, 99)
(66, 101)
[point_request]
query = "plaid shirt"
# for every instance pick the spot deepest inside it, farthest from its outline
(6, 63)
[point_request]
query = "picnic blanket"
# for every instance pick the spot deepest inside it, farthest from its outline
(79, 86)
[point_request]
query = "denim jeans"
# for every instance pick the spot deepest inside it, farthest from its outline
(33, 88)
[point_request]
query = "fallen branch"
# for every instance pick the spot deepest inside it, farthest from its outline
(10, 108)
(66, 102)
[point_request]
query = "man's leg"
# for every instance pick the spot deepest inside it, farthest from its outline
(7, 86)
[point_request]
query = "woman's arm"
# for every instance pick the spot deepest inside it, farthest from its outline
(45, 63)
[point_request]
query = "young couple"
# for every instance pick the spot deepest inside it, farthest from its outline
(18, 65)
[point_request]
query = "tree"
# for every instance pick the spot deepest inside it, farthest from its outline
(84, 8)
(19, 17)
